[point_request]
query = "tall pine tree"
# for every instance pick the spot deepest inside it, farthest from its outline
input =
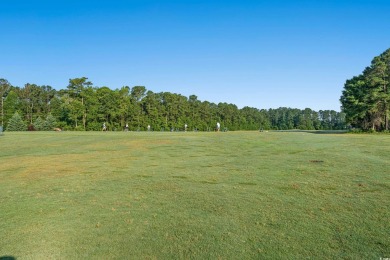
(366, 98)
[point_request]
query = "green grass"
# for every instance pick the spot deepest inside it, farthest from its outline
(235, 195)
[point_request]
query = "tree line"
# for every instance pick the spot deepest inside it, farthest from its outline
(85, 107)
(366, 98)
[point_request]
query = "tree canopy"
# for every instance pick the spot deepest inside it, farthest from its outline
(365, 99)
(82, 106)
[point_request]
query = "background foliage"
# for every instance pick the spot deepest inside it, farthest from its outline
(82, 106)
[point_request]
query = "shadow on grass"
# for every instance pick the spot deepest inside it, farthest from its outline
(7, 257)
(314, 131)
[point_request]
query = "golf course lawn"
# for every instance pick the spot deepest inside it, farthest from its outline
(182, 195)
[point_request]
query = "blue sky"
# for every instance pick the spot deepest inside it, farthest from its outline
(263, 54)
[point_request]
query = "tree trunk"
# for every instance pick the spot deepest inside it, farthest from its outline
(84, 119)
(84, 113)
(31, 113)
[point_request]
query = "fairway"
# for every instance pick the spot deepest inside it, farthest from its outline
(194, 195)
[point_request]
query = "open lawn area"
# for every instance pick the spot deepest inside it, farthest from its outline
(194, 195)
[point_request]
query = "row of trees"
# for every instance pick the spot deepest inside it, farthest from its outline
(366, 98)
(82, 106)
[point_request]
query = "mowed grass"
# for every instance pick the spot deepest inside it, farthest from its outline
(234, 195)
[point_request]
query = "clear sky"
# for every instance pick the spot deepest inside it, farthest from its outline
(263, 54)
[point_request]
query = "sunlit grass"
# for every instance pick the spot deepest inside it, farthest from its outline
(194, 195)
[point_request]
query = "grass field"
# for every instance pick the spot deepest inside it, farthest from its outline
(234, 195)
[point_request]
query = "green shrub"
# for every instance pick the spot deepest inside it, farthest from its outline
(79, 128)
(355, 130)
(50, 123)
(16, 123)
(94, 126)
(39, 124)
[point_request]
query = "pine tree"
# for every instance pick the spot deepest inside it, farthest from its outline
(50, 123)
(16, 123)
(366, 98)
(39, 124)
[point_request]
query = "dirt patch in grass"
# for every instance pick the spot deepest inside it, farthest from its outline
(316, 161)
